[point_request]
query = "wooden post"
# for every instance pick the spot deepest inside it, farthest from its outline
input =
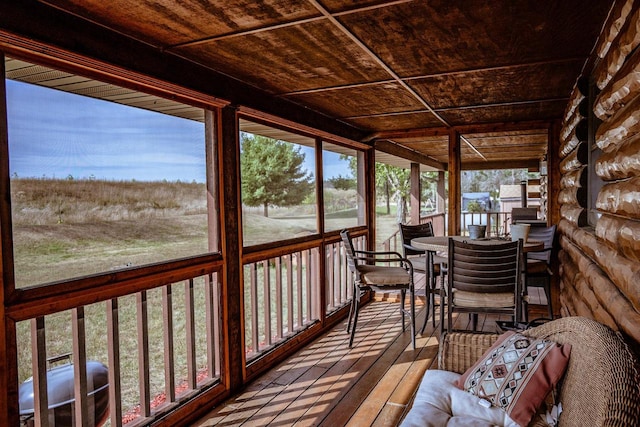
(455, 192)
(553, 173)
(211, 156)
(362, 188)
(9, 413)
(440, 197)
(415, 193)
(553, 207)
(369, 177)
(231, 227)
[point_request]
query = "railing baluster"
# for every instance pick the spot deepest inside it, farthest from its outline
(191, 334)
(211, 312)
(169, 363)
(267, 302)
(307, 263)
(255, 336)
(290, 312)
(79, 367)
(113, 343)
(314, 285)
(143, 354)
(39, 364)
(299, 286)
(330, 276)
(279, 322)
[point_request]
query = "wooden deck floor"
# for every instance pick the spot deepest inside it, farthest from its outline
(328, 384)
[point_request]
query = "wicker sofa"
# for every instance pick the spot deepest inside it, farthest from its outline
(600, 386)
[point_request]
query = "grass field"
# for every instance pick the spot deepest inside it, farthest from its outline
(70, 228)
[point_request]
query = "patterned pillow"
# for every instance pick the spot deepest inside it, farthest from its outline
(516, 374)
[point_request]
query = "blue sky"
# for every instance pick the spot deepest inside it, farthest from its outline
(58, 134)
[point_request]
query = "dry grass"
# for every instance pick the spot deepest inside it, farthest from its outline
(70, 228)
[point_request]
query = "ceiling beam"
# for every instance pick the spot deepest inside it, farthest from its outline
(531, 165)
(406, 153)
(465, 130)
(377, 59)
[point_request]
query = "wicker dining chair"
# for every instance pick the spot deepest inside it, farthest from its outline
(483, 278)
(426, 262)
(368, 275)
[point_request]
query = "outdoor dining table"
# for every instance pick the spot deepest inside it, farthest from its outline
(441, 243)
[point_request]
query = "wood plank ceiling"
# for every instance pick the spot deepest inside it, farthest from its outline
(402, 72)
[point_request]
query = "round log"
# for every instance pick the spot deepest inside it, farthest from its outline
(622, 89)
(621, 163)
(574, 99)
(622, 271)
(569, 126)
(574, 214)
(620, 198)
(626, 42)
(575, 178)
(615, 21)
(575, 159)
(611, 302)
(569, 144)
(573, 196)
(624, 123)
(620, 234)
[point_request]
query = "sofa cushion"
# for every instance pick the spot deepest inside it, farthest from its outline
(438, 402)
(516, 374)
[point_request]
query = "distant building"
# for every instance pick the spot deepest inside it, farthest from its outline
(511, 197)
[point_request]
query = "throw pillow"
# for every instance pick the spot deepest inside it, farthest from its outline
(516, 374)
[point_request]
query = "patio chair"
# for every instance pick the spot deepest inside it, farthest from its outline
(426, 262)
(383, 278)
(483, 278)
(538, 263)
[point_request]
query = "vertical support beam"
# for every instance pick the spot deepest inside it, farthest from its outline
(369, 178)
(440, 194)
(319, 186)
(415, 193)
(553, 207)
(455, 191)
(9, 412)
(322, 268)
(232, 275)
(362, 188)
(553, 174)
(211, 157)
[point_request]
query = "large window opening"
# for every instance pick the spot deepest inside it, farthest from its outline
(344, 198)
(278, 184)
(103, 182)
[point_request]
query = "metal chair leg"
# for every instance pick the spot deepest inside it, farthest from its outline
(355, 320)
(412, 295)
(356, 294)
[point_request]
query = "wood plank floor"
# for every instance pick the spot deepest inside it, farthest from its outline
(328, 384)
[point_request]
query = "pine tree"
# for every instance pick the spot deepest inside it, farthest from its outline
(272, 173)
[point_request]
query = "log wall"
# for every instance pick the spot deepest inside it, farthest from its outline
(599, 263)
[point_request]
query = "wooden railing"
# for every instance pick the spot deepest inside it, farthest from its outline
(167, 360)
(392, 243)
(281, 298)
(162, 334)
